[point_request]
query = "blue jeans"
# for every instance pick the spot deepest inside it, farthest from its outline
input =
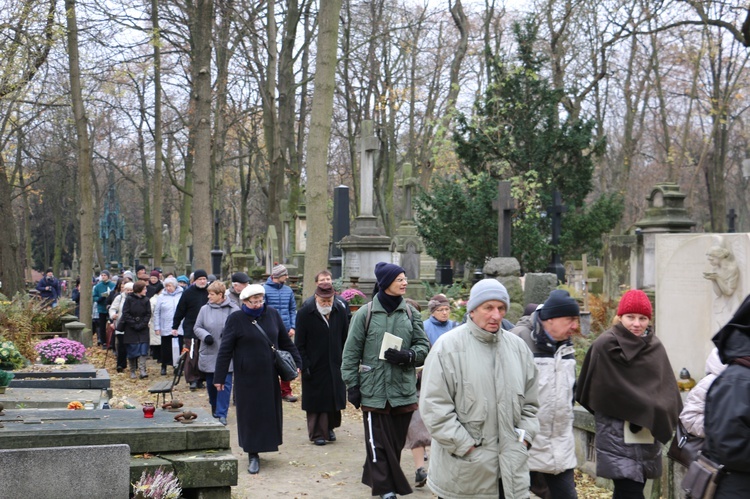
(219, 400)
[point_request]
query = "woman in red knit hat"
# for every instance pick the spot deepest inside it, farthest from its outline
(627, 382)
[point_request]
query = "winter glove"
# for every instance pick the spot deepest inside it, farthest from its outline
(403, 357)
(208, 340)
(354, 396)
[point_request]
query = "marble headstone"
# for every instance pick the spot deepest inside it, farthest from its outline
(700, 282)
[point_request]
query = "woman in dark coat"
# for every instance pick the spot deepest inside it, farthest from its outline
(320, 334)
(136, 313)
(728, 407)
(256, 382)
(627, 382)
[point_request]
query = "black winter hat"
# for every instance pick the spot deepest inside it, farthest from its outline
(559, 304)
(240, 277)
(386, 273)
(199, 273)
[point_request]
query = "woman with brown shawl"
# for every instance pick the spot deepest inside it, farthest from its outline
(627, 382)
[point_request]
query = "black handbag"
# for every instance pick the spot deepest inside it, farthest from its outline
(702, 478)
(285, 365)
(685, 446)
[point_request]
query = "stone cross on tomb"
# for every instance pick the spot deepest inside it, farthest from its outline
(556, 211)
(731, 219)
(505, 206)
(368, 146)
(408, 182)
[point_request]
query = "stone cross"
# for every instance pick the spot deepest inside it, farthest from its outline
(407, 182)
(731, 219)
(369, 144)
(556, 211)
(505, 205)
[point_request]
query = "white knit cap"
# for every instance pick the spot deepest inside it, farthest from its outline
(252, 290)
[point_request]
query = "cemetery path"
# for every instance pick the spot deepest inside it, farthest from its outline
(300, 469)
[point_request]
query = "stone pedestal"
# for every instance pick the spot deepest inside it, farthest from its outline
(77, 331)
(537, 287)
(666, 214)
(361, 250)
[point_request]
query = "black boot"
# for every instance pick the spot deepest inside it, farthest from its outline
(254, 466)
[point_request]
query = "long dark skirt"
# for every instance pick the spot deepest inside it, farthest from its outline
(385, 435)
(320, 423)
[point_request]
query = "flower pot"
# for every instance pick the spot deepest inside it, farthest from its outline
(2, 389)
(354, 308)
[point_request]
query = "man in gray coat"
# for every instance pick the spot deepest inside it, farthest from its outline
(479, 402)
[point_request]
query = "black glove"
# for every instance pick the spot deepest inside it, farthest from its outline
(208, 340)
(634, 428)
(354, 396)
(403, 357)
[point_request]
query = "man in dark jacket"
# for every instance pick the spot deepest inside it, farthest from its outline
(547, 333)
(49, 288)
(193, 298)
(321, 330)
(240, 281)
(727, 407)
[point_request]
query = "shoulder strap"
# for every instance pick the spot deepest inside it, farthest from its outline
(368, 317)
(270, 343)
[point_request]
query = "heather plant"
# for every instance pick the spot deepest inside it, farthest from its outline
(50, 351)
(159, 485)
(353, 296)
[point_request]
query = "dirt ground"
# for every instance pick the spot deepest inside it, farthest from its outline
(300, 469)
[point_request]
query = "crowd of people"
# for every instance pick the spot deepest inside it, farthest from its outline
(492, 401)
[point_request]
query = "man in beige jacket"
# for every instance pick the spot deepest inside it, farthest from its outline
(479, 402)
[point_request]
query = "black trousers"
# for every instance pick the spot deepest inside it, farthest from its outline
(122, 359)
(101, 329)
(385, 436)
(560, 486)
(628, 489)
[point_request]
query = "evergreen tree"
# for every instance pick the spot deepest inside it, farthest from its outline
(519, 133)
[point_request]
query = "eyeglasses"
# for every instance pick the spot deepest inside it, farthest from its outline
(255, 303)
(401, 279)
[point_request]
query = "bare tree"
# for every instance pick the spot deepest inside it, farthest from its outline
(318, 227)
(86, 214)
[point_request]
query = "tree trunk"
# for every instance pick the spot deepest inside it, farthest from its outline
(157, 190)
(201, 25)
(86, 214)
(318, 228)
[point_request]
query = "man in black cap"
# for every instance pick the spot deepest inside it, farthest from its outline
(385, 385)
(240, 281)
(193, 298)
(547, 332)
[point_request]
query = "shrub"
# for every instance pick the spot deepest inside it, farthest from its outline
(25, 315)
(10, 357)
(5, 377)
(60, 348)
